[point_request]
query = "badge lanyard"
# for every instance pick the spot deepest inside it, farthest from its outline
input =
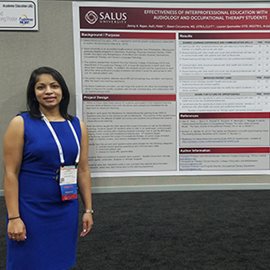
(59, 146)
(68, 174)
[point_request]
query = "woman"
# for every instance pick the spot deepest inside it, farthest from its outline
(41, 146)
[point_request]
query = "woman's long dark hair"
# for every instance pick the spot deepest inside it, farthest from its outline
(32, 103)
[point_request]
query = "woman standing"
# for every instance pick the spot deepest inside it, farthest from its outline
(45, 160)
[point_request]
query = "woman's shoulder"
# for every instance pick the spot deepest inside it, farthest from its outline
(16, 125)
(78, 121)
(24, 115)
(75, 119)
(18, 119)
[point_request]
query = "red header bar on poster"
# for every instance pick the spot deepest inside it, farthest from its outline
(230, 115)
(244, 36)
(102, 97)
(171, 19)
(127, 35)
(223, 150)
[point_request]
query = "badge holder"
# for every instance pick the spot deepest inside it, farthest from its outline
(68, 183)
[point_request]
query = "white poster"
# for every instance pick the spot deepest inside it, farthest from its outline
(174, 89)
(18, 15)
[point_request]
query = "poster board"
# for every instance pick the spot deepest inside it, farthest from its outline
(19, 15)
(174, 89)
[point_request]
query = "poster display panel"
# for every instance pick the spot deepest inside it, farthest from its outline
(174, 89)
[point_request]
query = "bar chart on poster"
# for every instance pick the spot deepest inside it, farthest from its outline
(174, 89)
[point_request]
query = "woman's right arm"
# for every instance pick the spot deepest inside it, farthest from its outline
(13, 151)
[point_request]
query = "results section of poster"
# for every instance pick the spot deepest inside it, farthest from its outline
(174, 90)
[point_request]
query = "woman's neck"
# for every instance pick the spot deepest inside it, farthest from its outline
(52, 115)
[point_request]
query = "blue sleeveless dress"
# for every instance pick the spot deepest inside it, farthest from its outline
(51, 224)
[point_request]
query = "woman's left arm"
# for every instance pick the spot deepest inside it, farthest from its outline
(84, 183)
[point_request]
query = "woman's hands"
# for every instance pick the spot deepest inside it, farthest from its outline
(16, 230)
(87, 223)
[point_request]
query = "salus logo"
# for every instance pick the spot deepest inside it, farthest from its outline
(91, 17)
(106, 17)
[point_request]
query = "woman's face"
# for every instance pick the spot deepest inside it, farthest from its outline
(48, 92)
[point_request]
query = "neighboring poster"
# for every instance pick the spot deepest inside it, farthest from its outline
(174, 89)
(18, 15)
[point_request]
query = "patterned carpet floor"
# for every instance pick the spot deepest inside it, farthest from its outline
(197, 230)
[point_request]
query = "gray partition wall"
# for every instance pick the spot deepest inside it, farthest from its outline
(52, 45)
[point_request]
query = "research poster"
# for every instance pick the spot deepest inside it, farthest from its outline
(174, 89)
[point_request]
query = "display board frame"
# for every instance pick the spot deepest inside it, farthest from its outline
(84, 30)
